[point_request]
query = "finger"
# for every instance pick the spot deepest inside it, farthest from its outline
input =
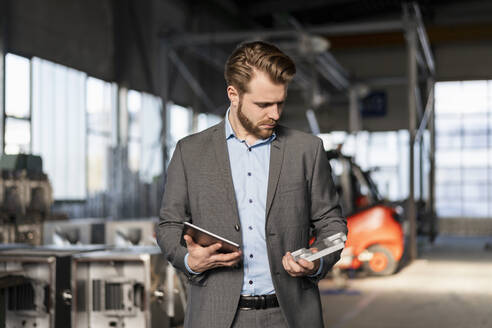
(225, 257)
(286, 265)
(295, 267)
(305, 264)
(212, 249)
(190, 243)
(227, 263)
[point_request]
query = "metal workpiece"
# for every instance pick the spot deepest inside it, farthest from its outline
(331, 244)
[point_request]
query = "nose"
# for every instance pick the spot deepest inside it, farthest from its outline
(274, 112)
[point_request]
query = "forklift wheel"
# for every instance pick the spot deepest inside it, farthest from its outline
(382, 262)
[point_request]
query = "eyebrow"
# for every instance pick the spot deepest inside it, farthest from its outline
(259, 103)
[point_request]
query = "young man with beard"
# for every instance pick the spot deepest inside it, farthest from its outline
(261, 185)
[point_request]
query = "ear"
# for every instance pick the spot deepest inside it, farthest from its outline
(233, 95)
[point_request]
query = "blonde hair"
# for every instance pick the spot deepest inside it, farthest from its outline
(265, 57)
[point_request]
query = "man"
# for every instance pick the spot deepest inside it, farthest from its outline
(262, 185)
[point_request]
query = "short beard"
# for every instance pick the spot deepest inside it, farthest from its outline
(250, 127)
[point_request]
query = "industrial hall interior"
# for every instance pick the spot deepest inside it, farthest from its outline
(113, 179)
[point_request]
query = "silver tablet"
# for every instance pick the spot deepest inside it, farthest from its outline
(206, 238)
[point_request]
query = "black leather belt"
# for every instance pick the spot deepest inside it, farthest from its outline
(258, 302)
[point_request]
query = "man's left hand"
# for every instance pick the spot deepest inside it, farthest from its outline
(302, 267)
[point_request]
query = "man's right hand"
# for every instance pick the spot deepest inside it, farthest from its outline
(201, 258)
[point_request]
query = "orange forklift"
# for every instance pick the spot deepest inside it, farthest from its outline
(375, 240)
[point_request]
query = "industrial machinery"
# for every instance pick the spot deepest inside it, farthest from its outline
(375, 240)
(89, 286)
(74, 232)
(126, 287)
(35, 284)
(25, 199)
(131, 232)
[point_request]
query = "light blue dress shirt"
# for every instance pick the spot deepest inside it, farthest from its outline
(250, 166)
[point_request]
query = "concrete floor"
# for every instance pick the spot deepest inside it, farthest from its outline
(450, 285)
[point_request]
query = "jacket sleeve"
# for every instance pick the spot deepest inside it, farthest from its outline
(326, 214)
(175, 210)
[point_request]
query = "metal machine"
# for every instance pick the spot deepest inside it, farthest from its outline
(131, 232)
(25, 199)
(35, 284)
(88, 286)
(126, 287)
(74, 232)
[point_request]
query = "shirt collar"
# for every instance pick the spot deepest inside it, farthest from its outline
(229, 132)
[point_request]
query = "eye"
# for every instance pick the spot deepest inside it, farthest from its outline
(263, 105)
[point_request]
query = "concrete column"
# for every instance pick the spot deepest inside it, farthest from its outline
(431, 203)
(411, 36)
(164, 93)
(3, 51)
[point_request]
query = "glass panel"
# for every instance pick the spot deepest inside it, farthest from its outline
(473, 97)
(179, 121)
(17, 136)
(17, 86)
(101, 102)
(151, 156)
(447, 97)
(475, 192)
(448, 142)
(475, 124)
(448, 209)
(134, 99)
(477, 141)
(448, 192)
(97, 163)
(450, 175)
(59, 126)
(475, 174)
(475, 209)
(474, 157)
(448, 158)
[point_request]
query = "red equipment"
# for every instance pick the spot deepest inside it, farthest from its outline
(375, 240)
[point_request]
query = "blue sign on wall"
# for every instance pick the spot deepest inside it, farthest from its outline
(374, 104)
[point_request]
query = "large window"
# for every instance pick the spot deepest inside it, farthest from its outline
(144, 135)
(463, 149)
(179, 125)
(101, 136)
(17, 104)
(59, 126)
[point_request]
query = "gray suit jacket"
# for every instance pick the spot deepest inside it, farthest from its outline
(301, 198)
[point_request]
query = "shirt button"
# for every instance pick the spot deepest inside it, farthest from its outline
(250, 227)
(249, 149)
(236, 227)
(251, 282)
(250, 200)
(249, 174)
(251, 256)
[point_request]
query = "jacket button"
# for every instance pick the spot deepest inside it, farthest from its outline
(236, 227)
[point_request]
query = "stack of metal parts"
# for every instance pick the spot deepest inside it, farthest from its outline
(25, 199)
(89, 286)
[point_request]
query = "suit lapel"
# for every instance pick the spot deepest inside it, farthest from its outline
(276, 159)
(222, 156)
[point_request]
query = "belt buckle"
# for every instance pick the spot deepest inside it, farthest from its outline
(246, 308)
